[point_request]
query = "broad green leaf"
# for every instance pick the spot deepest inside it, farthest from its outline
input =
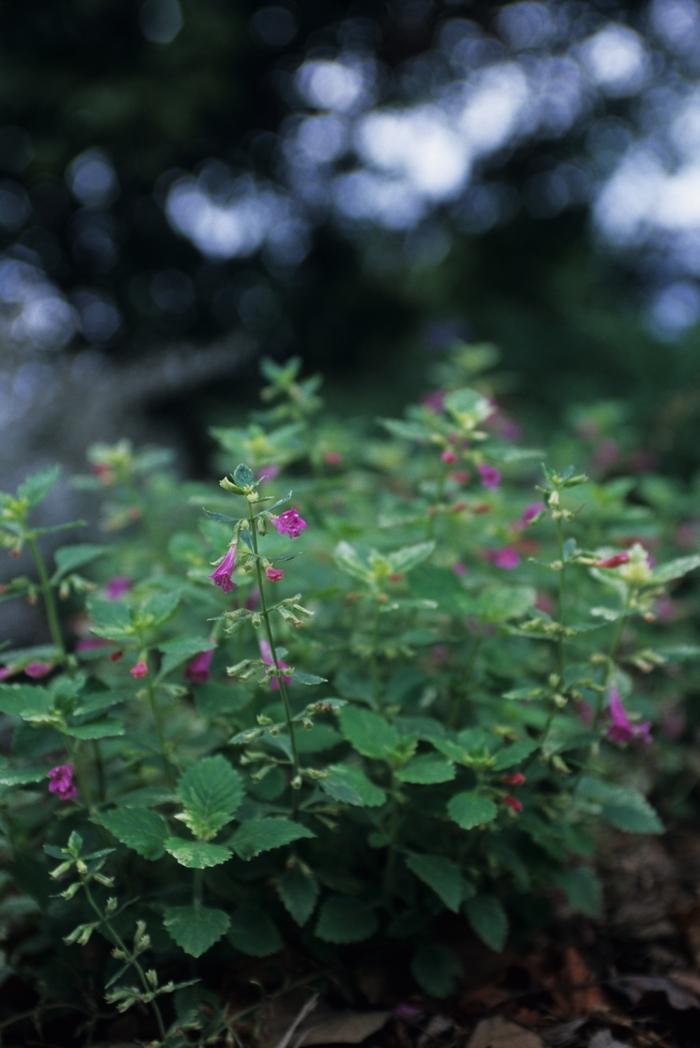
(110, 619)
(348, 560)
(24, 700)
(502, 603)
(160, 607)
(243, 475)
(343, 919)
(195, 928)
(68, 558)
(367, 732)
(175, 652)
(36, 487)
(309, 679)
(470, 809)
(440, 874)
(254, 933)
(211, 792)
(298, 891)
(675, 569)
(260, 835)
(139, 828)
(514, 754)
(582, 888)
(350, 785)
(408, 430)
(488, 919)
(436, 969)
(468, 406)
(426, 770)
(621, 806)
(196, 855)
(410, 556)
(17, 775)
(106, 728)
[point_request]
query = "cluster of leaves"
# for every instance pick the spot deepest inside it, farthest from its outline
(459, 753)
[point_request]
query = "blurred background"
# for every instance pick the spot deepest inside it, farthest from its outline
(186, 186)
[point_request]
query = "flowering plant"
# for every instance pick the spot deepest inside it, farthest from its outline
(482, 638)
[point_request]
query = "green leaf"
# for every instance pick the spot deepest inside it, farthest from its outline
(298, 891)
(35, 488)
(261, 835)
(350, 785)
(426, 770)
(68, 558)
(367, 732)
(499, 604)
(470, 809)
(403, 560)
(211, 792)
(441, 875)
(110, 619)
(436, 969)
(160, 607)
(408, 430)
(106, 728)
(175, 652)
(196, 855)
(343, 919)
(195, 928)
(138, 828)
(20, 776)
(307, 678)
(489, 920)
(243, 476)
(467, 404)
(675, 569)
(621, 806)
(582, 888)
(514, 754)
(24, 700)
(254, 933)
(348, 560)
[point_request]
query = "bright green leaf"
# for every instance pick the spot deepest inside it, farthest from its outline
(488, 919)
(367, 732)
(195, 928)
(211, 792)
(196, 855)
(350, 785)
(139, 828)
(426, 770)
(470, 809)
(261, 835)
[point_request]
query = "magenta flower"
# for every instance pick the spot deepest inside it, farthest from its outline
(91, 643)
(266, 656)
(221, 576)
(268, 473)
(290, 523)
(513, 803)
(5, 672)
(459, 569)
(197, 669)
(449, 457)
(139, 669)
(274, 574)
(434, 401)
(506, 558)
(622, 729)
(531, 513)
(61, 782)
(36, 670)
(490, 476)
(117, 587)
(332, 458)
(612, 562)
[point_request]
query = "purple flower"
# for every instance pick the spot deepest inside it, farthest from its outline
(530, 513)
(117, 587)
(61, 782)
(268, 473)
(290, 523)
(221, 576)
(197, 669)
(274, 574)
(35, 670)
(266, 656)
(91, 644)
(490, 476)
(506, 558)
(622, 729)
(5, 672)
(435, 401)
(139, 669)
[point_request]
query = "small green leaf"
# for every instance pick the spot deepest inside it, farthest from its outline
(260, 835)
(175, 652)
(160, 607)
(621, 806)
(24, 700)
(426, 770)
(195, 928)
(68, 558)
(468, 406)
(489, 920)
(35, 488)
(298, 891)
(367, 732)
(139, 828)
(441, 875)
(106, 728)
(20, 776)
(254, 933)
(408, 430)
(435, 968)
(470, 809)
(308, 679)
(409, 557)
(348, 560)
(514, 754)
(350, 785)
(675, 569)
(196, 855)
(343, 919)
(243, 476)
(211, 792)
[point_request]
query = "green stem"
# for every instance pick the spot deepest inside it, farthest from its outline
(374, 662)
(76, 760)
(48, 597)
(121, 945)
(158, 722)
(273, 652)
(561, 598)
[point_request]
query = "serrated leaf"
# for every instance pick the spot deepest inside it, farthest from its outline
(435, 968)
(106, 728)
(409, 557)
(488, 919)
(470, 809)
(367, 732)
(675, 569)
(254, 933)
(621, 806)
(440, 874)
(343, 919)
(196, 855)
(350, 785)
(36, 487)
(68, 558)
(582, 888)
(308, 679)
(514, 754)
(195, 929)
(17, 775)
(161, 607)
(426, 770)
(243, 475)
(348, 560)
(175, 652)
(24, 700)
(298, 891)
(211, 792)
(261, 835)
(142, 830)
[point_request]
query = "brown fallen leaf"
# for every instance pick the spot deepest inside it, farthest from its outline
(635, 986)
(342, 1028)
(499, 1033)
(579, 985)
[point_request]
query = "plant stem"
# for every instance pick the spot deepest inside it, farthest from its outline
(374, 662)
(76, 760)
(158, 722)
(273, 652)
(608, 668)
(48, 597)
(561, 598)
(121, 945)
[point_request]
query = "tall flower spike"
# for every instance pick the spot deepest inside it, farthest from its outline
(221, 576)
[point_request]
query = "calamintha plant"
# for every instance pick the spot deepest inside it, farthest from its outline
(484, 644)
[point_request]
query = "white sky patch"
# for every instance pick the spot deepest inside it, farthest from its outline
(616, 60)
(495, 104)
(368, 196)
(333, 85)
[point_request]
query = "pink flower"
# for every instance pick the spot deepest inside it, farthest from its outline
(506, 558)
(490, 476)
(91, 643)
(622, 729)
(274, 574)
(290, 523)
(434, 401)
(117, 587)
(513, 803)
(612, 562)
(459, 569)
(139, 669)
(36, 670)
(449, 457)
(268, 472)
(61, 782)
(531, 513)
(516, 778)
(197, 669)
(221, 576)
(6, 671)
(332, 458)
(266, 656)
